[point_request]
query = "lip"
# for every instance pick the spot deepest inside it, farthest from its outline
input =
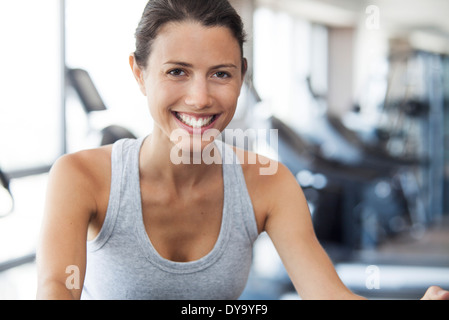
(192, 130)
(197, 115)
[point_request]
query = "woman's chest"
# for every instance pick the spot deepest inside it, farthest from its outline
(182, 228)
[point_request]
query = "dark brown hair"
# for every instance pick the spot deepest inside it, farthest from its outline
(210, 13)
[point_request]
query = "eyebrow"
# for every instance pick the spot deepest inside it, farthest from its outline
(188, 65)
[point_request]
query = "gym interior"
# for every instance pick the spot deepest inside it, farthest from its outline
(357, 91)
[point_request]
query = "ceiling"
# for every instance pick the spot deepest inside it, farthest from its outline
(410, 13)
(423, 21)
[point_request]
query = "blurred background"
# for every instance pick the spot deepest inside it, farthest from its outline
(358, 91)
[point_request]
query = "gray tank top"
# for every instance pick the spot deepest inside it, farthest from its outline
(123, 264)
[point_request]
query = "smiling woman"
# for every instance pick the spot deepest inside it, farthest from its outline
(197, 81)
(161, 230)
(195, 224)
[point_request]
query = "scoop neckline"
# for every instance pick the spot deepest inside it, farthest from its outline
(150, 252)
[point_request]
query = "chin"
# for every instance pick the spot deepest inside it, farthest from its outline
(193, 148)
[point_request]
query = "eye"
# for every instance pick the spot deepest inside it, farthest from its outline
(221, 75)
(176, 72)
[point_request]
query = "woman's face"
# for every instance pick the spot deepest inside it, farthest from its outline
(193, 78)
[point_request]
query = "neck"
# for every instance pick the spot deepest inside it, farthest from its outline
(160, 161)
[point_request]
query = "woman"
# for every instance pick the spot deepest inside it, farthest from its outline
(161, 229)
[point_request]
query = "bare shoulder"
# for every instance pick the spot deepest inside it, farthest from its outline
(268, 181)
(82, 176)
(261, 171)
(76, 183)
(90, 163)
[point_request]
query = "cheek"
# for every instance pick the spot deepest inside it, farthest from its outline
(228, 100)
(160, 98)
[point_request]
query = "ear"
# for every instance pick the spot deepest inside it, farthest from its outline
(244, 67)
(138, 73)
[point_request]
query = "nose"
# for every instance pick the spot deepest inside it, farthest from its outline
(198, 94)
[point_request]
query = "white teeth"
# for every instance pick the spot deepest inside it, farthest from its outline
(193, 122)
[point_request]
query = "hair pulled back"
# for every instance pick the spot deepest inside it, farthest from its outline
(210, 13)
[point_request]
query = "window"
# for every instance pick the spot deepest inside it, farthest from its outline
(99, 36)
(31, 126)
(99, 39)
(287, 51)
(30, 94)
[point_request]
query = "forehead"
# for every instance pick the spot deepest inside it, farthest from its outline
(193, 41)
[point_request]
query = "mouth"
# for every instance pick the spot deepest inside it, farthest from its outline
(196, 121)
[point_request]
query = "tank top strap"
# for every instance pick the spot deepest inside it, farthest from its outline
(122, 158)
(235, 183)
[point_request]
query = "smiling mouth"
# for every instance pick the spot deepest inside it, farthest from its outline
(195, 122)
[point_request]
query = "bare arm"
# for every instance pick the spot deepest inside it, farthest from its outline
(62, 248)
(290, 227)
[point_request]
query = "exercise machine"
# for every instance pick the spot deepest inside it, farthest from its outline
(81, 82)
(6, 198)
